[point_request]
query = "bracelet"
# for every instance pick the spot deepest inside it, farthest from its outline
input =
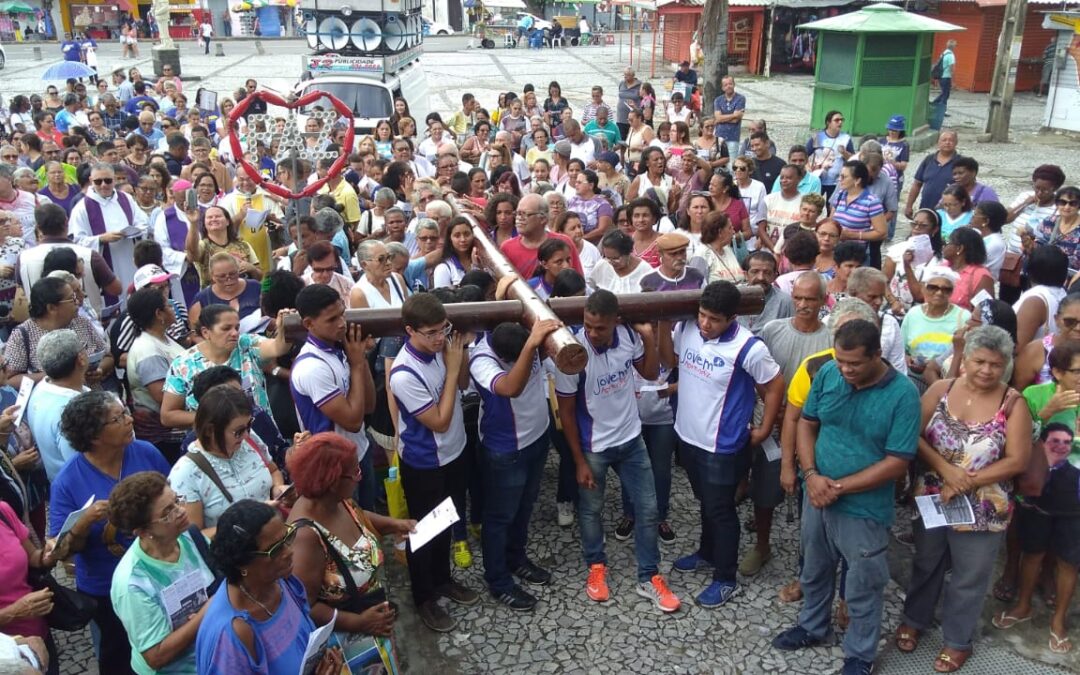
(809, 473)
(275, 371)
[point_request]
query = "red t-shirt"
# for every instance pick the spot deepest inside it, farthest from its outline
(524, 259)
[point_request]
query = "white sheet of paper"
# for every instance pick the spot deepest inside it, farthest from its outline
(73, 517)
(771, 448)
(25, 389)
(980, 297)
(441, 517)
(936, 514)
(254, 322)
(653, 387)
(924, 251)
(183, 598)
(255, 218)
(315, 645)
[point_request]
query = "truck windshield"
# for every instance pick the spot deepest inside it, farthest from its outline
(366, 100)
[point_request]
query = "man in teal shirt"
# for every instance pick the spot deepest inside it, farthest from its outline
(858, 432)
(601, 125)
(948, 61)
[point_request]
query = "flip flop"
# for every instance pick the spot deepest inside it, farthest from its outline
(906, 638)
(1005, 621)
(946, 663)
(1060, 645)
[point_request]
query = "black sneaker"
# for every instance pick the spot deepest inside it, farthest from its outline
(517, 600)
(624, 529)
(795, 638)
(533, 574)
(666, 534)
(457, 593)
(436, 618)
(855, 666)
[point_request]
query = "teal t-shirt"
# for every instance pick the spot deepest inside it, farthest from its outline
(860, 427)
(927, 338)
(139, 595)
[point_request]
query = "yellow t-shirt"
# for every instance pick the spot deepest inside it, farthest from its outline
(799, 389)
(345, 195)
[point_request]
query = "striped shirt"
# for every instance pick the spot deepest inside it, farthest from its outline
(856, 214)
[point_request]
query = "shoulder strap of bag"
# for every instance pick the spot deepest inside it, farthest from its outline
(26, 345)
(204, 465)
(332, 553)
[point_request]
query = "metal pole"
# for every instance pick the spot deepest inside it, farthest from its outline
(1004, 83)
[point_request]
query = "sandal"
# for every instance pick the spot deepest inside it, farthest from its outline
(1005, 621)
(950, 663)
(1060, 645)
(1005, 591)
(792, 592)
(906, 638)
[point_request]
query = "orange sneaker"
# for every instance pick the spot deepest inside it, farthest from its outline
(596, 586)
(656, 589)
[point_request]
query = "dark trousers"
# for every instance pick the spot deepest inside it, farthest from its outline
(114, 651)
(425, 489)
(512, 484)
(206, 45)
(567, 488)
(714, 478)
(624, 129)
(946, 89)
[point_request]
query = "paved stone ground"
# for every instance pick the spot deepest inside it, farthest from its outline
(568, 633)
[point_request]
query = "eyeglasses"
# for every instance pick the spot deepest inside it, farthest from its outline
(1069, 323)
(103, 181)
(277, 546)
(934, 288)
(323, 270)
(445, 331)
(1068, 202)
(71, 300)
(173, 511)
(126, 414)
(9, 157)
(741, 168)
(428, 238)
(242, 432)
(382, 259)
(920, 225)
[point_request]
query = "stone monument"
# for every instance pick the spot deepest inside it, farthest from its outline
(166, 51)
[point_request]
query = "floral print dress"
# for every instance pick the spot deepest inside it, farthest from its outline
(971, 446)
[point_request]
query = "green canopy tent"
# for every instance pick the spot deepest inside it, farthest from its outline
(12, 7)
(873, 64)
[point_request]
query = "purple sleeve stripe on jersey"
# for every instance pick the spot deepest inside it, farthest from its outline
(329, 397)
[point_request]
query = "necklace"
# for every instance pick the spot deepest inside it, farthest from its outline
(252, 598)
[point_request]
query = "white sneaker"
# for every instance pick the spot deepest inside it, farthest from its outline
(566, 513)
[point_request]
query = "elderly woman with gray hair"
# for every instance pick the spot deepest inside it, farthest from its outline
(371, 221)
(975, 440)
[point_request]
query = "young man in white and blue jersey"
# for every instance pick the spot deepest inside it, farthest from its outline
(424, 381)
(506, 369)
(722, 363)
(331, 383)
(598, 410)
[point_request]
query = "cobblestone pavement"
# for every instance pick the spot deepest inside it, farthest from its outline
(568, 633)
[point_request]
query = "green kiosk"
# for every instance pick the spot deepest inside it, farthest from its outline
(873, 64)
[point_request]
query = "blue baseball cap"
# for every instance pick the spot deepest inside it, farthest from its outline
(896, 123)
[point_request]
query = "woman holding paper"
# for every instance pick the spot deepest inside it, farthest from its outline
(976, 437)
(160, 587)
(903, 262)
(99, 427)
(258, 621)
(337, 551)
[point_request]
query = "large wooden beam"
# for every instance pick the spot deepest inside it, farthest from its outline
(482, 316)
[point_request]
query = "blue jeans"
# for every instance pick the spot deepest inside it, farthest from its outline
(946, 89)
(660, 440)
(828, 536)
(511, 486)
(714, 477)
(631, 464)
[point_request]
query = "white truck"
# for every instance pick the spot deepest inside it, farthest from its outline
(366, 53)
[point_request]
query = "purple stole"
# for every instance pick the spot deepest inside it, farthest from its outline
(96, 220)
(177, 230)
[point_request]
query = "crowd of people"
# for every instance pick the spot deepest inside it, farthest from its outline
(214, 482)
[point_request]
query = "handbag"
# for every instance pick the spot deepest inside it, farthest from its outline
(72, 610)
(1011, 269)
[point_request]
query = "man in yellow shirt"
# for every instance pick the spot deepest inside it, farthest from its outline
(462, 122)
(343, 193)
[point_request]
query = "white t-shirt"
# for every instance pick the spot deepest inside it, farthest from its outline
(606, 402)
(723, 373)
(320, 373)
(417, 381)
(604, 276)
(507, 424)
